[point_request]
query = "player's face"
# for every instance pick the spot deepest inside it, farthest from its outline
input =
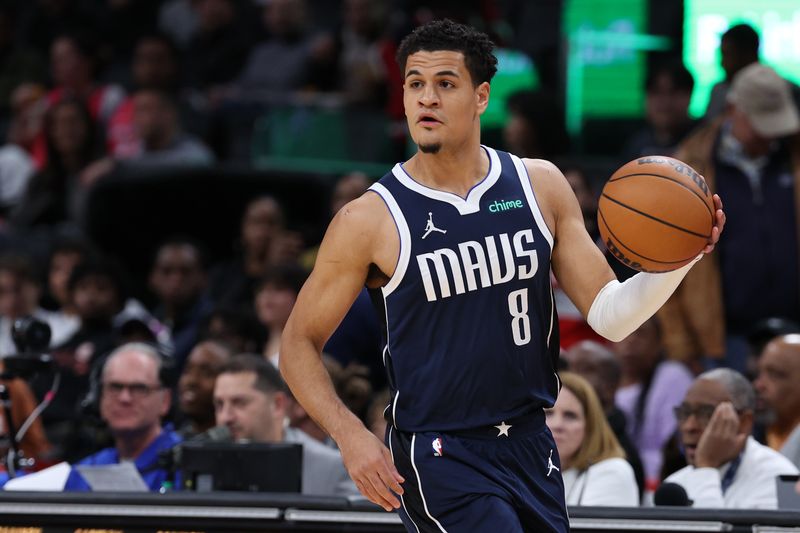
(442, 105)
(567, 422)
(249, 413)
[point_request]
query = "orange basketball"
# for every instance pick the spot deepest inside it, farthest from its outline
(655, 214)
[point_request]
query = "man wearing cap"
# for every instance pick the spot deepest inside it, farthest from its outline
(751, 157)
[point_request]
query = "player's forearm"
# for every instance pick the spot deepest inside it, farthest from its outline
(620, 308)
(311, 385)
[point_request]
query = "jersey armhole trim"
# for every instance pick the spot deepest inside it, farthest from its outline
(402, 233)
(525, 181)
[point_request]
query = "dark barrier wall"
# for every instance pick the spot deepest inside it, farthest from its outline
(234, 512)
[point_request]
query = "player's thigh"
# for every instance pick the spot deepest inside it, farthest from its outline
(445, 488)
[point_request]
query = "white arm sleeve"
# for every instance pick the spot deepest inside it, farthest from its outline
(620, 308)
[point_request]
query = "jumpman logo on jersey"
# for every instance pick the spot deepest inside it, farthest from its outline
(430, 228)
(550, 465)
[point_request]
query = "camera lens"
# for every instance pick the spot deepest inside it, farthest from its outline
(30, 335)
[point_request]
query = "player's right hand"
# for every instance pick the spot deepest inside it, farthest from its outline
(369, 463)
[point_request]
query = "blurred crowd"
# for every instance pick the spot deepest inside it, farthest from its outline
(88, 87)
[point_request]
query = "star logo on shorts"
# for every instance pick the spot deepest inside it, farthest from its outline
(503, 428)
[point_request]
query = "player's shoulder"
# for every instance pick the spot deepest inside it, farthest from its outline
(548, 181)
(545, 171)
(365, 215)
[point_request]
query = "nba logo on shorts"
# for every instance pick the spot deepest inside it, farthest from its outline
(437, 446)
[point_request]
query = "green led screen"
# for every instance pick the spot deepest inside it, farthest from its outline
(605, 59)
(515, 72)
(777, 22)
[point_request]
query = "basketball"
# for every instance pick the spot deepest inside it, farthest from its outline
(655, 214)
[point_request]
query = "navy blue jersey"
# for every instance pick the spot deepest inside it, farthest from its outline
(471, 333)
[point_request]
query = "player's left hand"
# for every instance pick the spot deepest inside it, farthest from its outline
(719, 224)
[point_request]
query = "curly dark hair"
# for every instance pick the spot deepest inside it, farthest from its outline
(451, 36)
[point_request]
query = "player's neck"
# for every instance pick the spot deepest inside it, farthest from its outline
(455, 171)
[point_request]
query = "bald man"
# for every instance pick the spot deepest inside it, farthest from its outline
(779, 395)
(133, 401)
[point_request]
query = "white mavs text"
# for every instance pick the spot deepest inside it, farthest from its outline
(478, 265)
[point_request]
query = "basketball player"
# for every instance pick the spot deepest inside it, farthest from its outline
(457, 244)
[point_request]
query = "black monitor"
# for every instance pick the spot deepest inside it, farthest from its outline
(247, 467)
(788, 498)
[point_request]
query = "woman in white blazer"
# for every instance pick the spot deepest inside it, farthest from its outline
(593, 463)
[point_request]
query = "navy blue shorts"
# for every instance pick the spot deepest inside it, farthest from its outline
(480, 480)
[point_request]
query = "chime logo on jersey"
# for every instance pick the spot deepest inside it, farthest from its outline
(476, 264)
(437, 446)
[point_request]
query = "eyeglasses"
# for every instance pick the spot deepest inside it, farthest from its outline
(702, 413)
(136, 390)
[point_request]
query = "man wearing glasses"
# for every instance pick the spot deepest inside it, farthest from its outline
(133, 401)
(727, 467)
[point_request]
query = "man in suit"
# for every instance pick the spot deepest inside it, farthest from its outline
(250, 399)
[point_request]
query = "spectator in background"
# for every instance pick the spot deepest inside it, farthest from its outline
(154, 66)
(366, 54)
(292, 58)
(264, 241)
(16, 169)
(650, 387)
(179, 20)
(73, 65)
(178, 279)
(161, 140)
(727, 467)
(98, 291)
(235, 327)
(779, 396)
(595, 471)
(751, 157)
(133, 400)
(535, 127)
(738, 48)
(219, 47)
(760, 335)
(28, 109)
(57, 193)
(19, 298)
(65, 255)
(275, 296)
(668, 91)
(598, 365)
(196, 386)
(250, 398)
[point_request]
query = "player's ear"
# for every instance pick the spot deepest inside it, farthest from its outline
(482, 96)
